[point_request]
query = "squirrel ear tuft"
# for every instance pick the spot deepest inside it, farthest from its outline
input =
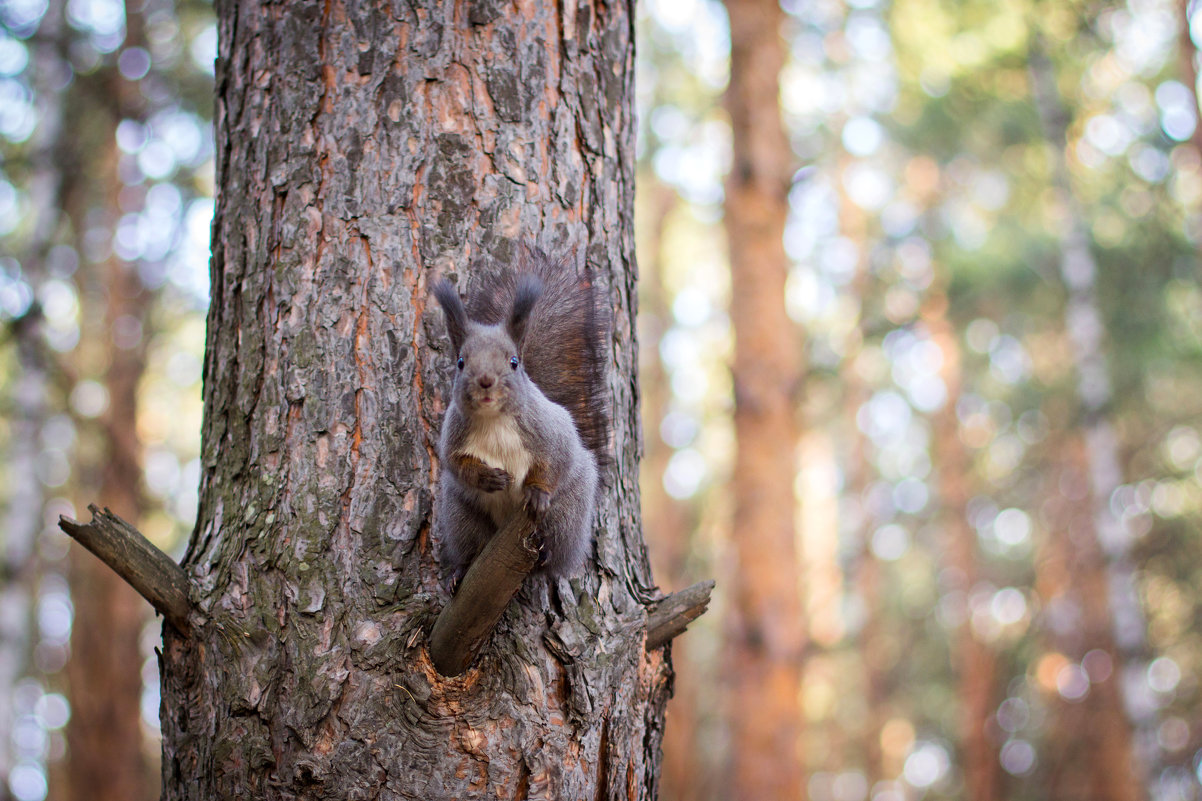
(452, 306)
(529, 290)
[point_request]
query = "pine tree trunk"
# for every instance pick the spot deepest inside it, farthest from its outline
(104, 673)
(767, 637)
(364, 149)
(23, 515)
(1104, 577)
(685, 772)
(975, 660)
(1093, 758)
(104, 735)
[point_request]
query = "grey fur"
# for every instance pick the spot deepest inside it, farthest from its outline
(498, 405)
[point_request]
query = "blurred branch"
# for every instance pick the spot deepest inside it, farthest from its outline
(155, 576)
(493, 579)
(670, 616)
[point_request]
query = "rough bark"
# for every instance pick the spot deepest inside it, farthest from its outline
(766, 635)
(363, 149)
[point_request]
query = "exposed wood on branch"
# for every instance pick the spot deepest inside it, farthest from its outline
(673, 614)
(155, 576)
(493, 579)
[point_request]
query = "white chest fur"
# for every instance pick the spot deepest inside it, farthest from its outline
(498, 443)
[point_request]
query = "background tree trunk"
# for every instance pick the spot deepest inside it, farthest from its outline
(365, 148)
(104, 734)
(1101, 565)
(23, 513)
(767, 635)
(1094, 756)
(975, 659)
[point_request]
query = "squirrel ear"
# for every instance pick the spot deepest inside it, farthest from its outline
(529, 290)
(452, 306)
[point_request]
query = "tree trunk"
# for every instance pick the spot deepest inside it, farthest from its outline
(1093, 758)
(364, 149)
(767, 636)
(668, 525)
(23, 515)
(104, 735)
(104, 672)
(975, 660)
(1104, 543)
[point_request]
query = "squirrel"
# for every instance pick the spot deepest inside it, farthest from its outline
(527, 425)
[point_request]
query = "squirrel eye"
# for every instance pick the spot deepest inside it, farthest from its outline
(513, 362)
(459, 364)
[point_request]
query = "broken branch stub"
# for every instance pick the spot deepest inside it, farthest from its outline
(493, 579)
(671, 615)
(154, 574)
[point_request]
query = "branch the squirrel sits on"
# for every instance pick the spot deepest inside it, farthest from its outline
(527, 425)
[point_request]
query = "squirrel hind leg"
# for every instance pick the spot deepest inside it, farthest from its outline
(566, 534)
(463, 531)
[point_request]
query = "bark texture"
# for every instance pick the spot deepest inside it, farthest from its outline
(364, 149)
(767, 635)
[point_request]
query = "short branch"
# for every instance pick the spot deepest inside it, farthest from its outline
(670, 616)
(144, 567)
(493, 579)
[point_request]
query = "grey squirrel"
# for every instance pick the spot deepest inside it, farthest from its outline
(527, 425)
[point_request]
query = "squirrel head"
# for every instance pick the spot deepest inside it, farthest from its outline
(487, 357)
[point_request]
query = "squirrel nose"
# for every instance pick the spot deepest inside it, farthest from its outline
(486, 381)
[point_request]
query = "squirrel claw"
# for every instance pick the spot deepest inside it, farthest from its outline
(538, 501)
(455, 579)
(540, 542)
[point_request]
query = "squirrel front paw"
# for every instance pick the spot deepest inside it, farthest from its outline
(493, 479)
(537, 501)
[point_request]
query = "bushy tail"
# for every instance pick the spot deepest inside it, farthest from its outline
(564, 347)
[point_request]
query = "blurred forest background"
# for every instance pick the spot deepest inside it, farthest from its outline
(993, 224)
